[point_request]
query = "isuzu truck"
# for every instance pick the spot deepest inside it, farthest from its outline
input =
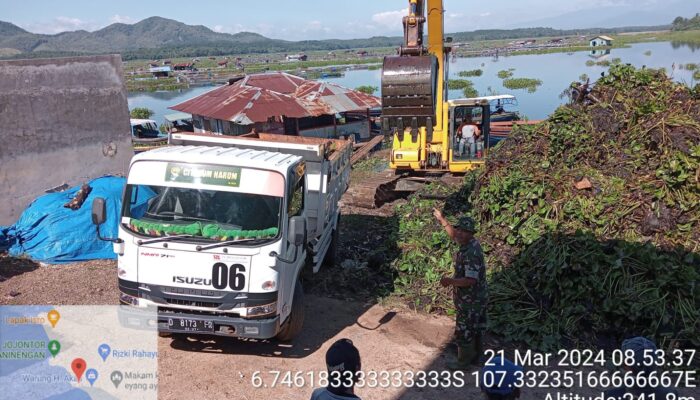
(214, 231)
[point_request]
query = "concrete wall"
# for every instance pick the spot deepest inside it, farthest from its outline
(63, 120)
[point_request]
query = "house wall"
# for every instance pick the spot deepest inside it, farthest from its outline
(321, 127)
(62, 120)
(600, 42)
(204, 125)
(359, 129)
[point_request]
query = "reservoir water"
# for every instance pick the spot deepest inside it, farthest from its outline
(556, 71)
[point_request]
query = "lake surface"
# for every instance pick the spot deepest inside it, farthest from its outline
(159, 102)
(556, 71)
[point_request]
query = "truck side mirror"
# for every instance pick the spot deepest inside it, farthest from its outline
(99, 211)
(297, 230)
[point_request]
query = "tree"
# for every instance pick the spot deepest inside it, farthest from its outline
(685, 24)
(141, 113)
(367, 89)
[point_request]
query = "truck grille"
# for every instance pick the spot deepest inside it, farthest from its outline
(167, 310)
(191, 292)
(180, 302)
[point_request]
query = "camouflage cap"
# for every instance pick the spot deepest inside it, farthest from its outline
(466, 224)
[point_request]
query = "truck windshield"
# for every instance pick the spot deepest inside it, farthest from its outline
(204, 214)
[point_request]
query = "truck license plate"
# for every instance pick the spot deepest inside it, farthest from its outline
(190, 325)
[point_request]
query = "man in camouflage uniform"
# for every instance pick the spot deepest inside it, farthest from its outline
(470, 291)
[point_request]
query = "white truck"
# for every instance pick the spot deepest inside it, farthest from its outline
(215, 230)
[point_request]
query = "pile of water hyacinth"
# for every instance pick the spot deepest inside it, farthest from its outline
(590, 221)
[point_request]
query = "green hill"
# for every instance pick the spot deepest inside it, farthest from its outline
(158, 37)
(8, 29)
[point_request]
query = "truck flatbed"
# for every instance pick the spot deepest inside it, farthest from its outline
(312, 149)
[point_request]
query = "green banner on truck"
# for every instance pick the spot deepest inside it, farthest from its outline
(204, 174)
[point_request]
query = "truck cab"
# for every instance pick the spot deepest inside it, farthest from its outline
(214, 231)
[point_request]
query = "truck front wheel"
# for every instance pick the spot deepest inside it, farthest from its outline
(295, 321)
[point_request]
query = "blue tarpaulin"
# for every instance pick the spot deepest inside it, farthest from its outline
(48, 232)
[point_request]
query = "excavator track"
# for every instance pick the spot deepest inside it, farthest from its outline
(375, 191)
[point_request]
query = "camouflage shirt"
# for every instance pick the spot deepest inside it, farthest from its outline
(469, 263)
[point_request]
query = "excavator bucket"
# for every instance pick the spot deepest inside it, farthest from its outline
(409, 89)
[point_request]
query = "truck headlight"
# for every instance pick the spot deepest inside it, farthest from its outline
(130, 300)
(269, 285)
(261, 310)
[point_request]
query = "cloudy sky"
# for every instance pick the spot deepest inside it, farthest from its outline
(324, 19)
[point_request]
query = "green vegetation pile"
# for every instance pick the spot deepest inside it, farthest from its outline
(458, 84)
(141, 113)
(465, 85)
(506, 73)
(368, 89)
(604, 63)
(590, 221)
(522, 83)
(474, 72)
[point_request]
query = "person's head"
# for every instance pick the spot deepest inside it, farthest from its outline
(498, 379)
(343, 362)
(464, 230)
(637, 346)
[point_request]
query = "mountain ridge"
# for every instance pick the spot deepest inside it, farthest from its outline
(159, 37)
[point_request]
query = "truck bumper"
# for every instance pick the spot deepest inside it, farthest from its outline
(225, 326)
(224, 319)
(138, 318)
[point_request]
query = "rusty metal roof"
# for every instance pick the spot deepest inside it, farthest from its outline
(258, 97)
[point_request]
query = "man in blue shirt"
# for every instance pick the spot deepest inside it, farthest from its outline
(639, 346)
(343, 363)
(498, 379)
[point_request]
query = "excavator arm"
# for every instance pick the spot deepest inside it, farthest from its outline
(413, 89)
(413, 29)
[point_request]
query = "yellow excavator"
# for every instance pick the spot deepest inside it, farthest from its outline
(425, 125)
(428, 132)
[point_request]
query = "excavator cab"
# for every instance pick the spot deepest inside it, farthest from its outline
(469, 131)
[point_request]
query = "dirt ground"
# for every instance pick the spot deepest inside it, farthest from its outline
(388, 339)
